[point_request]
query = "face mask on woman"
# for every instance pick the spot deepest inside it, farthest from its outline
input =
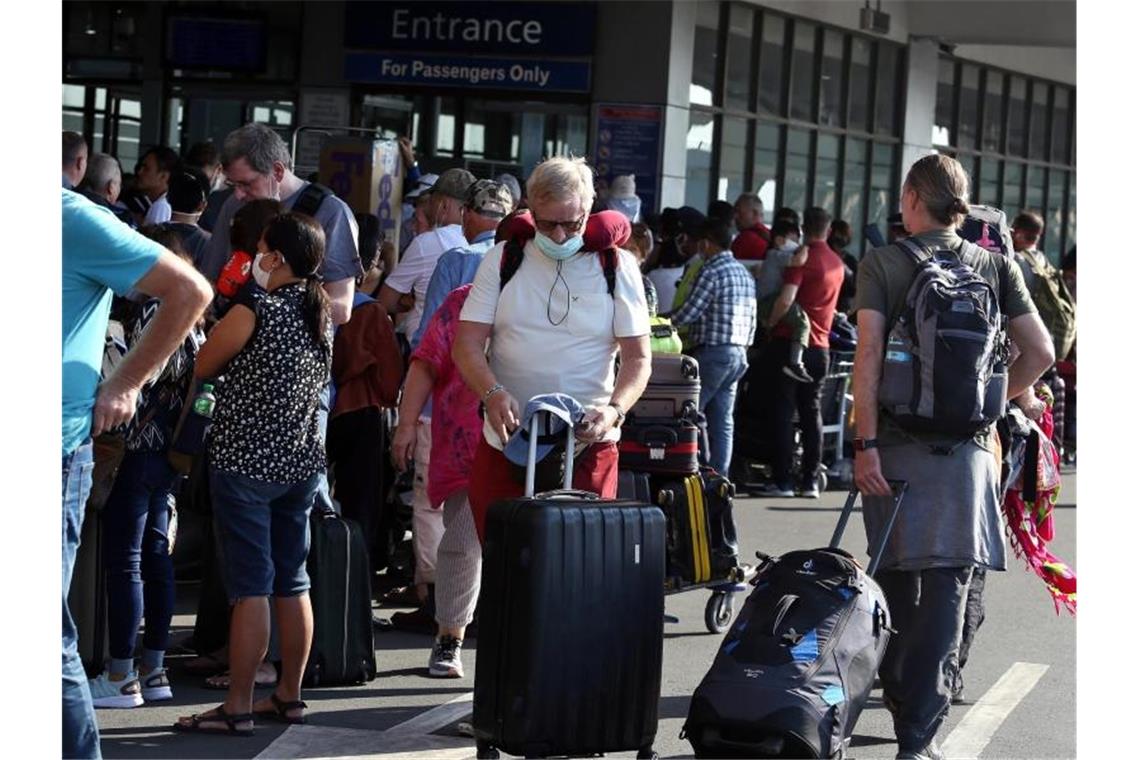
(260, 276)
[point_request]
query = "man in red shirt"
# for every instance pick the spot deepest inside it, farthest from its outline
(815, 287)
(752, 242)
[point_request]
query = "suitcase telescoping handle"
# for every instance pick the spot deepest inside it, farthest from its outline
(898, 488)
(532, 457)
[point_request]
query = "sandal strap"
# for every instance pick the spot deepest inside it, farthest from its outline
(284, 707)
(228, 718)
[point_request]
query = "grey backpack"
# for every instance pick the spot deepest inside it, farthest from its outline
(944, 370)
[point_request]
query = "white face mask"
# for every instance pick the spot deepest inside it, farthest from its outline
(260, 276)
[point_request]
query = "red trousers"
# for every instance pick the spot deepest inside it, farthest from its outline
(492, 480)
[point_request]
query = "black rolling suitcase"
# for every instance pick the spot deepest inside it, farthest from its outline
(343, 650)
(795, 670)
(571, 620)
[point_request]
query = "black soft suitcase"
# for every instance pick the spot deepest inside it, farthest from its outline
(571, 618)
(795, 669)
(664, 446)
(674, 388)
(343, 651)
(634, 486)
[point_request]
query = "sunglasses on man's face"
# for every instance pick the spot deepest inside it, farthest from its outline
(545, 226)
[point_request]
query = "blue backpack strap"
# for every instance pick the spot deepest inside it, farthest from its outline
(914, 249)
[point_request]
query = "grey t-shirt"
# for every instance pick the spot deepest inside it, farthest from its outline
(770, 281)
(342, 260)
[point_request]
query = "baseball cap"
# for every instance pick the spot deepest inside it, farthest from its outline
(512, 183)
(557, 411)
(489, 198)
(453, 183)
(422, 186)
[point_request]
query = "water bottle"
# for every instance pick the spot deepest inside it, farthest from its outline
(896, 388)
(190, 435)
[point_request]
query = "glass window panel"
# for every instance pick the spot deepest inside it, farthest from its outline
(1061, 100)
(854, 177)
(968, 123)
(1011, 196)
(97, 133)
(100, 98)
(991, 120)
(944, 109)
(72, 122)
(796, 169)
(887, 100)
(879, 203)
(772, 64)
(1054, 216)
(826, 173)
(130, 108)
(127, 150)
(490, 130)
(698, 163)
(831, 79)
(1071, 224)
(988, 182)
(571, 135)
(860, 83)
(73, 96)
(1017, 136)
(705, 61)
(803, 73)
(733, 139)
(764, 165)
(739, 54)
(1035, 189)
(445, 128)
(1038, 123)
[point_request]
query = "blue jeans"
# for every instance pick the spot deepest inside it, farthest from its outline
(721, 370)
(263, 534)
(136, 549)
(80, 731)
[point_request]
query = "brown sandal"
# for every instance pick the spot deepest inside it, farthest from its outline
(281, 711)
(217, 715)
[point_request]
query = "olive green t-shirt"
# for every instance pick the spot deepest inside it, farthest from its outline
(885, 276)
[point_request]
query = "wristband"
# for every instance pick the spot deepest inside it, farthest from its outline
(492, 391)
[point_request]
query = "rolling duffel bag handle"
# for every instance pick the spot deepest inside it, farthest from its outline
(532, 459)
(898, 488)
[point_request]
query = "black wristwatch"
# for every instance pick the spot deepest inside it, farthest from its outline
(620, 413)
(862, 444)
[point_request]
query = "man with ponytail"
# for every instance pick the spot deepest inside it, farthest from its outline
(950, 521)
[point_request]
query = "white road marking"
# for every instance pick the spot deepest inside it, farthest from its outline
(978, 727)
(409, 740)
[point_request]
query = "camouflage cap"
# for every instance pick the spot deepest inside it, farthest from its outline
(453, 183)
(490, 198)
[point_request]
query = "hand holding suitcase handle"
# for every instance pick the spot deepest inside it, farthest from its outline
(898, 488)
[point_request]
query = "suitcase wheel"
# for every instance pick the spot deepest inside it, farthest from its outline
(484, 751)
(646, 753)
(718, 611)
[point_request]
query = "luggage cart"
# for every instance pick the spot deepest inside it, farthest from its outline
(721, 606)
(834, 405)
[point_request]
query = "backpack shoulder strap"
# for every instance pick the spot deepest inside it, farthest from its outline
(914, 249)
(609, 268)
(510, 262)
(311, 199)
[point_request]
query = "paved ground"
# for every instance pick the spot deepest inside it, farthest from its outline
(1020, 683)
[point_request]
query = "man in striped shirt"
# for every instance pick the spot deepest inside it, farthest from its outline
(721, 310)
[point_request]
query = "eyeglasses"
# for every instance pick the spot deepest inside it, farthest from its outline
(546, 226)
(243, 184)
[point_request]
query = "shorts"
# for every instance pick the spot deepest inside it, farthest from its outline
(263, 533)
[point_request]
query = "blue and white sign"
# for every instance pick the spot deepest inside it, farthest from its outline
(495, 28)
(628, 141)
(459, 71)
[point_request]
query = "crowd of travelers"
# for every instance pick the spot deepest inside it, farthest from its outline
(224, 267)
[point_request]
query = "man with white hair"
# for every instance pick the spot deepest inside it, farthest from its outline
(754, 238)
(556, 324)
(102, 183)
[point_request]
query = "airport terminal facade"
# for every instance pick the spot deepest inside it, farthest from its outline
(805, 102)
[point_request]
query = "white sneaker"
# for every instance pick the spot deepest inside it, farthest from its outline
(156, 686)
(445, 661)
(116, 694)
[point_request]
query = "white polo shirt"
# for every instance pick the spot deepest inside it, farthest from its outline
(554, 326)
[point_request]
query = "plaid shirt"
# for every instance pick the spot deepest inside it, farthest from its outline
(722, 305)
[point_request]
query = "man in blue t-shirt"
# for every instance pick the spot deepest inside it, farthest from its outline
(101, 255)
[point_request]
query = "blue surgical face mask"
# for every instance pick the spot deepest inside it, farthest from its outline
(558, 251)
